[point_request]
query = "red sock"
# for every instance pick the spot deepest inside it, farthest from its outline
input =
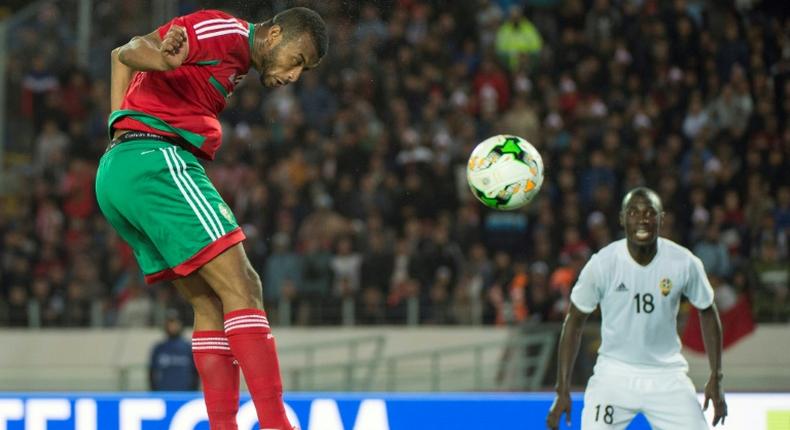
(219, 373)
(252, 343)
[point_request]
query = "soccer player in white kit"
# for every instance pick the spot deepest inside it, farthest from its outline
(638, 282)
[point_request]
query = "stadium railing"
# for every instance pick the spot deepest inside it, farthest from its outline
(519, 363)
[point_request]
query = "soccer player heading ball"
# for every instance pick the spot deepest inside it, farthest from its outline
(167, 89)
(638, 282)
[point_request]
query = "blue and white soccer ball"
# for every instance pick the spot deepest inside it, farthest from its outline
(505, 172)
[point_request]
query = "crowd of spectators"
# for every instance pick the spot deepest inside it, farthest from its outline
(350, 184)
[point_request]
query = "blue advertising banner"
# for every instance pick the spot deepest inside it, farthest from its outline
(311, 411)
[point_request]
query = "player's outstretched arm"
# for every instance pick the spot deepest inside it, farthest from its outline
(711, 335)
(570, 340)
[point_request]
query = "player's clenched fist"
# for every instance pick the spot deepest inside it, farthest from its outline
(562, 404)
(175, 46)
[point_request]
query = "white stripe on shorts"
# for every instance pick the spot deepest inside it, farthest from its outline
(220, 230)
(194, 192)
(186, 195)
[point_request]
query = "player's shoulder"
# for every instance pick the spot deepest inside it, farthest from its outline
(210, 16)
(674, 251)
(213, 13)
(611, 251)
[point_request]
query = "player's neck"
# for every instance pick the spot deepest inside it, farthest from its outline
(643, 254)
(257, 43)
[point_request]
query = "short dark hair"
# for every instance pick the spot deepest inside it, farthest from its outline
(644, 192)
(301, 20)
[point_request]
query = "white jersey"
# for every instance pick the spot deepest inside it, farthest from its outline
(639, 304)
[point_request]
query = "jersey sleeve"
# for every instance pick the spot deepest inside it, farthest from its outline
(212, 37)
(586, 294)
(698, 288)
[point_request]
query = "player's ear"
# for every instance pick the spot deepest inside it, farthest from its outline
(274, 35)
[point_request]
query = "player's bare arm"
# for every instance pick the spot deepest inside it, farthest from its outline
(146, 53)
(150, 53)
(711, 334)
(570, 340)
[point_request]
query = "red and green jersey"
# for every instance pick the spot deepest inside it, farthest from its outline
(185, 101)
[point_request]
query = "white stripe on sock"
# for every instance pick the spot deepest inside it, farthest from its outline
(209, 348)
(209, 343)
(261, 317)
(246, 321)
(245, 326)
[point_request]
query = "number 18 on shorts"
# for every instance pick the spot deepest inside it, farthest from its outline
(668, 401)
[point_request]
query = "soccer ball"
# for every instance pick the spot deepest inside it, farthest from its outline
(505, 172)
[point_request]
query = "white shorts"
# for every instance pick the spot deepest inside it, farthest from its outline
(667, 399)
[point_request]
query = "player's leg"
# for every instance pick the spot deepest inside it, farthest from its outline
(234, 280)
(674, 404)
(218, 370)
(606, 404)
(194, 230)
(111, 177)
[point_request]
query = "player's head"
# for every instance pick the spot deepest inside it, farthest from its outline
(173, 324)
(293, 41)
(641, 213)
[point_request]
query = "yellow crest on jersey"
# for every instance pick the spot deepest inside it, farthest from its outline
(665, 285)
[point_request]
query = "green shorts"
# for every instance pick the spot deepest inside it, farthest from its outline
(158, 198)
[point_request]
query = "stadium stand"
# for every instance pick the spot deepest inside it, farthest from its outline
(350, 184)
